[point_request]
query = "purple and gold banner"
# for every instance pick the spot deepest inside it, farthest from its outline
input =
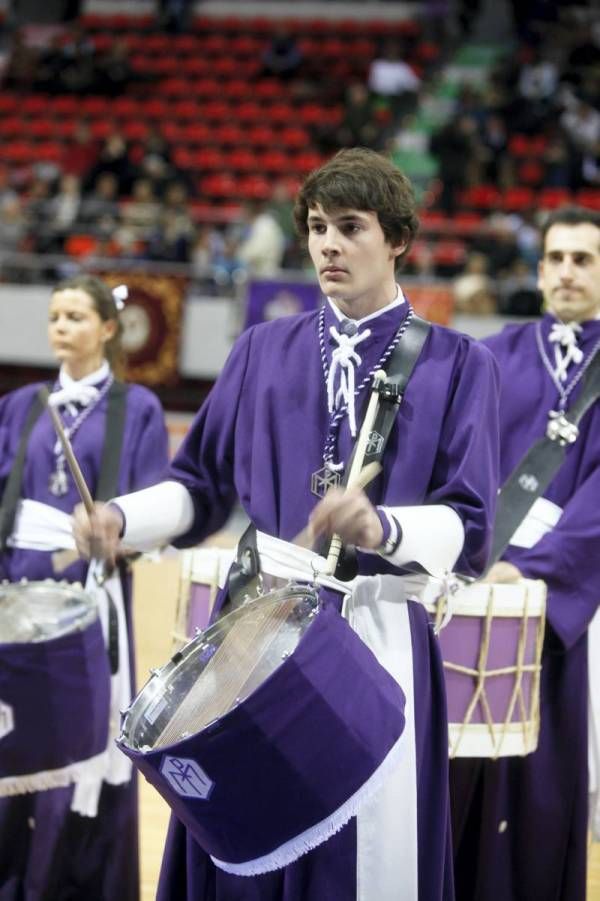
(151, 322)
(270, 299)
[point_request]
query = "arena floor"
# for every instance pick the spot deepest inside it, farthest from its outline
(155, 599)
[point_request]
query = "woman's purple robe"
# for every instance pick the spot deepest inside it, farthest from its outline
(260, 436)
(520, 824)
(48, 853)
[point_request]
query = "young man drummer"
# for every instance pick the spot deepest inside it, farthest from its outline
(520, 824)
(280, 421)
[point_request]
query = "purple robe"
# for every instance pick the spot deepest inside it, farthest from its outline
(520, 824)
(67, 855)
(261, 435)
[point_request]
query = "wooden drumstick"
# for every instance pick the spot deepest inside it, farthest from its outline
(82, 488)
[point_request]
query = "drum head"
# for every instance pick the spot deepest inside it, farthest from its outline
(219, 668)
(37, 611)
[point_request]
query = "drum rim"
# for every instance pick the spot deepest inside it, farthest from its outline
(68, 590)
(158, 682)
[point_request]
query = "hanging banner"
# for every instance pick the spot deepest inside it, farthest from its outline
(270, 299)
(151, 322)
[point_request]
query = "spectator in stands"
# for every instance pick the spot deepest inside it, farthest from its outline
(64, 208)
(80, 156)
(262, 247)
(358, 127)
(113, 70)
(21, 68)
(174, 15)
(13, 225)
(500, 245)
(518, 294)
(282, 57)
(473, 289)
(114, 158)
(392, 79)
(140, 214)
(38, 212)
(494, 142)
(172, 239)
(457, 149)
(101, 205)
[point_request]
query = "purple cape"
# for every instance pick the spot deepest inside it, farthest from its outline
(520, 824)
(260, 436)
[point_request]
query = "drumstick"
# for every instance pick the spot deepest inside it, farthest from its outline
(82, 488)
(364, 478)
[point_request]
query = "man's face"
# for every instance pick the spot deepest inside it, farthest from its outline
(353, 260)
(569, 272)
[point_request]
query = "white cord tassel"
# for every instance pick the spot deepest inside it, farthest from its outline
(564, 335)
(343, 361)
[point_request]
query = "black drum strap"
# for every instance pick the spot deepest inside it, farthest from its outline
(12, 489)
(399, 369)
(108, 480)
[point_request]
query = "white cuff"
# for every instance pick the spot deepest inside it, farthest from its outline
(432, 536)
(155, 516)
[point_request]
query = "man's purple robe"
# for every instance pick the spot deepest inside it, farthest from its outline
(46, 851)
(520, 824)
(260, 436)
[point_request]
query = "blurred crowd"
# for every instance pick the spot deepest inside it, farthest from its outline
(108, 199)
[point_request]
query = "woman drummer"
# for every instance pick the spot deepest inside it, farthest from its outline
(118, 434)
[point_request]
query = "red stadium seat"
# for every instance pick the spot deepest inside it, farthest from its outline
(518, 199)
(95, 106)
(550, 198)
(207, 88)
(154, 108)
(217, 111)
(49, 151)
(135, 130)
(254, 187)
(218, 186)
(589, 198)
(174, 87)
(250, 112)
(293, 138)
(187, 110)
(268, 89)
(195, 133)
(11, 127)
(449, 256)
(8, 103)
(229, 135)
(63, 105)
(35, 105)
(261, 136)
(307, 161)
(209, 158)
(275, 162)
(481, 197)
(242, 160)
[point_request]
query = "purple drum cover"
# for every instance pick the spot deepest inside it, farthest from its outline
(200, 607)
(59, 694)
(460, 643)
(289, 755)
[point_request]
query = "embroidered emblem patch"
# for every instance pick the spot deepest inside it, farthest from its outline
(7, 720)
(374, 443)
(322, 480)
(186, 777)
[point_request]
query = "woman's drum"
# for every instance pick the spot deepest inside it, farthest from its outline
(203, 571)
(54, 686)
(492, 649)
(266, 732)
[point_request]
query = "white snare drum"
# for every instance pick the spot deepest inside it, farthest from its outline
(492, 649)
(54, 686)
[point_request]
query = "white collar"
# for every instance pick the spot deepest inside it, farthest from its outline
(94, 378)
(396, 302)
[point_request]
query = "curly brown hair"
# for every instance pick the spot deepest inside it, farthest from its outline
(361, 179)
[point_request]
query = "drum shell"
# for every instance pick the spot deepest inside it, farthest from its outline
(57, 694)
(496, 631)
(292, 753)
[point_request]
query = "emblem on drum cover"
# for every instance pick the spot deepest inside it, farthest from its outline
(7, 720)
(528, 482)
(324, 479)
(186, 777)
(374, 444)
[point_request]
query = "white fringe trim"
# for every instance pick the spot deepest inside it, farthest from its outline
(60, 778)
(316, 835)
